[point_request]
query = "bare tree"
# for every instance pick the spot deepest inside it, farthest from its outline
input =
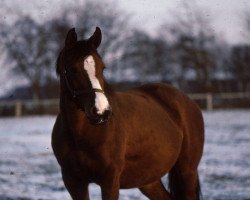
(147, 57)
(239, 57)
(27, 49)
(193, 42)
(32, 47)
(240, 65)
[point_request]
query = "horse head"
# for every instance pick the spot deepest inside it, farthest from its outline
(81, 71)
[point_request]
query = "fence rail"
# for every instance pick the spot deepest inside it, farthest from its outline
(19, 105)
(209, 98)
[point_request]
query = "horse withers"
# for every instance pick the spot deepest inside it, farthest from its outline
(123, 139)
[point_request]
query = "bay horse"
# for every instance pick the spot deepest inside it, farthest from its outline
(123, 139)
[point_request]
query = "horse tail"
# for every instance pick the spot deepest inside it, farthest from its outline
(198, 190)
(177, 187)
(183, 177)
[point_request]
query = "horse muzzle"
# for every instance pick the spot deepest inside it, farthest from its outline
(98, 119)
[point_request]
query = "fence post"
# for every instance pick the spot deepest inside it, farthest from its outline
(209, 100)
(18, 108)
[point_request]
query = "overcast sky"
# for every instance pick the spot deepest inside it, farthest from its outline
(225, 15)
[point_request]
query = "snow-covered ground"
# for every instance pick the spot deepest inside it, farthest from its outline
(28, 169)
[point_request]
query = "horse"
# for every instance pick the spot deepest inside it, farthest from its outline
(123, 139)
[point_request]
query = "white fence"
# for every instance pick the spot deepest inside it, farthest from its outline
(209, 98)
(18, 105)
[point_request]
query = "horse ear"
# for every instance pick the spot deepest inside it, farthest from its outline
(96, 38)
(71, 38)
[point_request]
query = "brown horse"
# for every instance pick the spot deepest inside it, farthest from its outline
(123, 139)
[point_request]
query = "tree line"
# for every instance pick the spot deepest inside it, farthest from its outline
(187, 49)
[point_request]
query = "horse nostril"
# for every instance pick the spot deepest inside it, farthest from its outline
(107, 114)
(99, 118)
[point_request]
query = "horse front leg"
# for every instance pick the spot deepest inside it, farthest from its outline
(110, 186)
(77, 188)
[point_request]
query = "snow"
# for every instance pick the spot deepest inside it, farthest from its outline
(28, 169)
(225, 168)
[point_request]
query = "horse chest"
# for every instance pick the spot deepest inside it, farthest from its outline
(90, 159)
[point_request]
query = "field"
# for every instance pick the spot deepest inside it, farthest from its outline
(29, 171)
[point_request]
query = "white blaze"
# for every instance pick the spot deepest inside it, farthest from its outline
(101, 101)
